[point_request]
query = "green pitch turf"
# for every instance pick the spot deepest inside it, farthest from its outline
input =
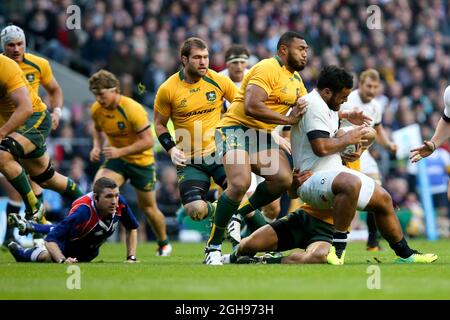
(183, 276)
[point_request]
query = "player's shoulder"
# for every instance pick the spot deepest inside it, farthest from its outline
(8, 64)
(268, 63)
(313, 96)
(376, 104)
(81, 209)
(39, 61)
(354, 97)
(217, 79)
(316, 104)
(174, 80)
(217, 76)
(95, 107)
(225, 72)
(128, 102)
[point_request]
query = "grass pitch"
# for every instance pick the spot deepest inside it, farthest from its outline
(183, 277)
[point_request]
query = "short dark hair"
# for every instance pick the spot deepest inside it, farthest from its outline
(190, 43)
(102, 184)
(335, 79)
(236, 51)
(287, 37)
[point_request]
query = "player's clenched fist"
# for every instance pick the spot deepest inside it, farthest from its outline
(94, 155)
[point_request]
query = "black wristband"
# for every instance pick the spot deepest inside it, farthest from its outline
(62, 260)
(166, 141)
(131, 257)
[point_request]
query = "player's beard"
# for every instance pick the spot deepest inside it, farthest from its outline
(194, 73)
(367, 98)
(332, 103)
(293, 63)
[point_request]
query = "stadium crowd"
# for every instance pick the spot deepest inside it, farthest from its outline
(411, 52)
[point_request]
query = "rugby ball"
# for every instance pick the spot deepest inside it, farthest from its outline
(351, 148)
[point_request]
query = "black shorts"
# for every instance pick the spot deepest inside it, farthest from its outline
(299, 229)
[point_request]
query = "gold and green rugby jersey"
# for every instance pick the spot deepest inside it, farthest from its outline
(195, 109)
(122, 125)
(11, 79)
(37, 70)
(283, 88)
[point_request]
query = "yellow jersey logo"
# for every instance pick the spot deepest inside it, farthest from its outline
(211, 96)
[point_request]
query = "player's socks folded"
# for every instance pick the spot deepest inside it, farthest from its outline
(339, 242)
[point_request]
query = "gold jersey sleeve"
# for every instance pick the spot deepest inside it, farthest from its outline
(11, 79)
(282, 87)
(195, 109)
(122, 126)
(37, 71)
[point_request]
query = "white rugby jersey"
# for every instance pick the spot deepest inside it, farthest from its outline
(318, 117)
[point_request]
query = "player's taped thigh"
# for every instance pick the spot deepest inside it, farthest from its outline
(193, 190)
(44, 176)
(12, 146)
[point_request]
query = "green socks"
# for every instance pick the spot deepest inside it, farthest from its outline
(225, 209)
(256, 221)
(258, 199)
(23, 186)
(72, 191)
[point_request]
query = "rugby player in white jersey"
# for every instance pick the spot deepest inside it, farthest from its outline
(334, 186)
(363, 98)
(441, 134)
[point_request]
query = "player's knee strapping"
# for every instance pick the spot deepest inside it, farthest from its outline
(193, 190)
(13, 147)
(44, 176)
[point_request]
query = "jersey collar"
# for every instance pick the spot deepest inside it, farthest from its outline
(181, 74)
(276, 57)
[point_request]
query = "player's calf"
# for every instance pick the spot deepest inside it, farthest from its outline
(35, 254)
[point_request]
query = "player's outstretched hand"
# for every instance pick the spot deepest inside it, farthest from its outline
(297, 112)
(423, 151)
(357, 117)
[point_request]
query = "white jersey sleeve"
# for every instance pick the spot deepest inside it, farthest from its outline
(447, 104)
